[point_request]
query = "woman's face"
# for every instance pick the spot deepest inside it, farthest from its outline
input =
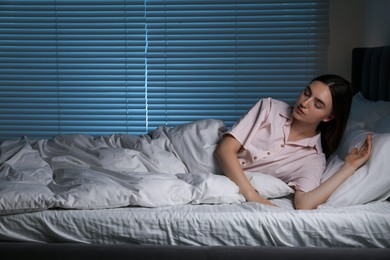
(314, 104)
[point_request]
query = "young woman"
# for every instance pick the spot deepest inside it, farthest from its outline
(292, 143)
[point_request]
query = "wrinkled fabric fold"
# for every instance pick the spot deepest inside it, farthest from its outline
(86, 172)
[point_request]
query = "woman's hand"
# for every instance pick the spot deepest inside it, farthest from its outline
(265, 202)
(256, 198)
(357, 157)
(226, 154)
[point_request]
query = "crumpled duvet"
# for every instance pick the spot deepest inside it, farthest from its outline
(168, 166)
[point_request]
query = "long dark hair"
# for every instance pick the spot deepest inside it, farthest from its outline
(333, 130)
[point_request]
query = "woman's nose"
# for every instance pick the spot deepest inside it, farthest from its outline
(305, 102)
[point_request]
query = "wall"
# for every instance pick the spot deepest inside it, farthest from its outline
(355, 23)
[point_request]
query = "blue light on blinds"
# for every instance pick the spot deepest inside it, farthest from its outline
(101, 67)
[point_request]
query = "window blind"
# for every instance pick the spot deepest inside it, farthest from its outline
(101, 67)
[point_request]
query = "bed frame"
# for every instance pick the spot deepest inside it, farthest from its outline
(370, 75)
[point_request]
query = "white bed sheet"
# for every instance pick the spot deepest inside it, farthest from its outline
(248, 224)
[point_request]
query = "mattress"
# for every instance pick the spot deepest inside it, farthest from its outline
(244, 224)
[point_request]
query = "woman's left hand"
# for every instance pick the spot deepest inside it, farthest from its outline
(357, 157)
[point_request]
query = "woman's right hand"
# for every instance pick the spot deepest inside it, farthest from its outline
(226, 154)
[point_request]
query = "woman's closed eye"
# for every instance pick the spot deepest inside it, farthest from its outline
(307, 91)
(318, 105)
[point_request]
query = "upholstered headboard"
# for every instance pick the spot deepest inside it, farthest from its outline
(371, 72)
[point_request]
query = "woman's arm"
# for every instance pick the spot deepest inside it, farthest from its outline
(353, 161)
(226, 154)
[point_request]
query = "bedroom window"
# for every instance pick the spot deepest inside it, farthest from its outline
(100, 67)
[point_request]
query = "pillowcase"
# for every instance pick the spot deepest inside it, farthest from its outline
(353, 124)
(383, 125)
(268, 186)
(368, 111)
(154, 189)
(371, 182)
(351, 139)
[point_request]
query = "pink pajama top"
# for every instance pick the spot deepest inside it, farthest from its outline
(263, 133)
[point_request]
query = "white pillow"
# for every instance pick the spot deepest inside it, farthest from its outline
(212, 188)
(371, 182)
(368, 111)
(154, 189)
(353, 124)
(351, 139)
(383, 125)
(268, 186)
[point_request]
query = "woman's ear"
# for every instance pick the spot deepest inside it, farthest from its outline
(329, 118)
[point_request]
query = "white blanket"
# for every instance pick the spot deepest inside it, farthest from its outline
(84, 172)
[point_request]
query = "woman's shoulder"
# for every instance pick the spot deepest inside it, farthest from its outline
(279, 102)
(272, 101)
(269, 106)
(276, 105)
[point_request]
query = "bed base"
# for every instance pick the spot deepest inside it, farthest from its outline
(145, 252)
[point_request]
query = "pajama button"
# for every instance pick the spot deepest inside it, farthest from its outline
(243, 163)
(255, 158)
(282, 145)
(268, 153)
